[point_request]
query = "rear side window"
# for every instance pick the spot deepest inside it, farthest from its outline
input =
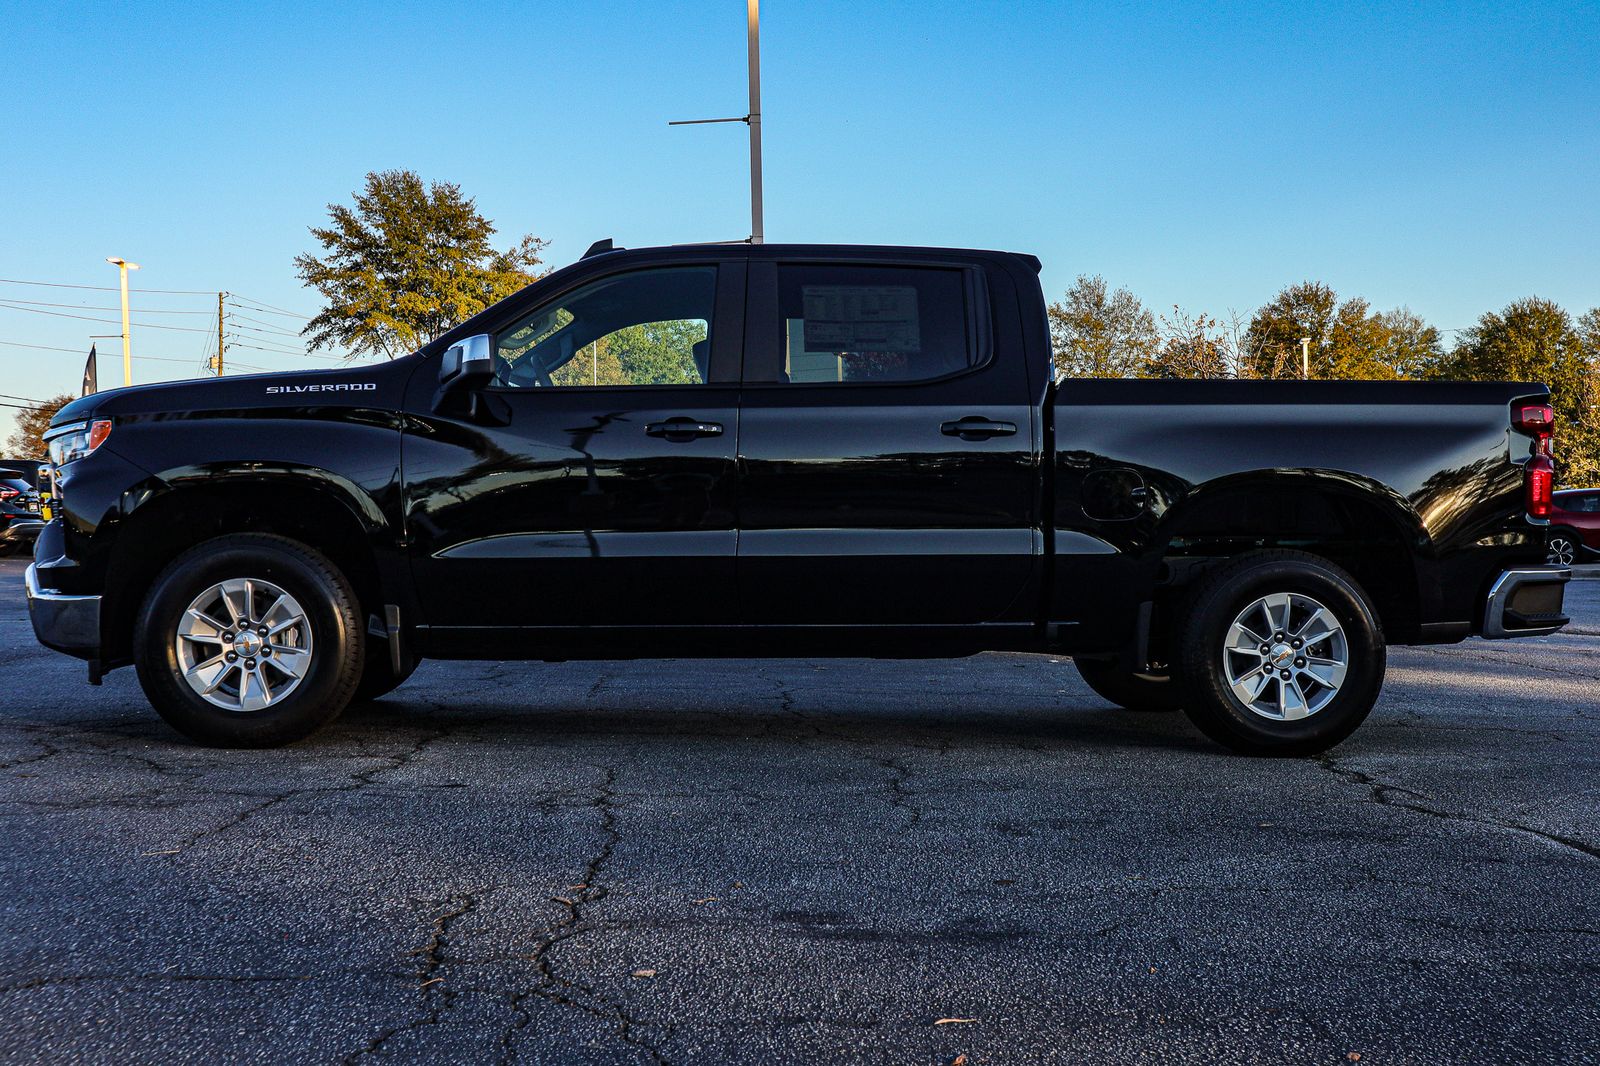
(1588, 503)
(849, 325)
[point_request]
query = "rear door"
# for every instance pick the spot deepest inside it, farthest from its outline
(887, 451)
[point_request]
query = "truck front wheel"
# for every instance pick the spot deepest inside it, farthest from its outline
(249, 641)
(1136, 692)
(1281, 654)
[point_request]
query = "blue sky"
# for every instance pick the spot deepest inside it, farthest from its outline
(1442, 156)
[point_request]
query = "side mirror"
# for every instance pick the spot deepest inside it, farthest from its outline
(468, 363)
(467, 368)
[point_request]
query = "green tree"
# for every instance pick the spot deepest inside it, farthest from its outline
(405, 263)
(1535, 340)
(27, 440)
(1097, 333)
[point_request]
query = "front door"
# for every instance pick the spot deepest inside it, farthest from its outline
(887, 450)
(607, 496)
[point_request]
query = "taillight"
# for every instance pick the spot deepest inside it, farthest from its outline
(1539, 475)
(9, 494)
(1537, 420)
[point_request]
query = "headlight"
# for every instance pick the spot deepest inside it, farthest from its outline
(72, 442)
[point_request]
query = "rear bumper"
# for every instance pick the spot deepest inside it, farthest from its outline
(21, 531)
(1526, 602)
(66, 623)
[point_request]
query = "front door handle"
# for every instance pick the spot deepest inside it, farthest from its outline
(681, 430)
(974, 428)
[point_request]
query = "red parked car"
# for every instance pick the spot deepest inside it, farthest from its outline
(1574, 526)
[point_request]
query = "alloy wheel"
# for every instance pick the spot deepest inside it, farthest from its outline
(1561, 550)
(1285, 656)
(243, 644)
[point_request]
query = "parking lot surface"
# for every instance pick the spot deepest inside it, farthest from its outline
(804, 861)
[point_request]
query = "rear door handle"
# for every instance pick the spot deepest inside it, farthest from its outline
(974, 428)
(681, 430)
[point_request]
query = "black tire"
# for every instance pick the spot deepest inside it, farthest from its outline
(1211, 610)
(6, 549)
(331, 612)
(379, 678)
(1134, 692)
(1574, 546)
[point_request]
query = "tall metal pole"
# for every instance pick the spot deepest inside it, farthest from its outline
(220, 295)
(753, 119)
(754, 31)
(123, 266)
(1305, 358)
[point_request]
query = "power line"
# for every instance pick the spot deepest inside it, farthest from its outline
(257, 329)
(104, 288)
(89, 307)
(44, 347)
(87, 318)
(262, 305)
(24, 399)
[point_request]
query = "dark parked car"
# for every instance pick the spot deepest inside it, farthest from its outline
(20, 521)
(1574, 526)
(28, 470)
(736, 450)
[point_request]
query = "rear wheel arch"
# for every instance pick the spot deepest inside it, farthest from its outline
(1361, 526)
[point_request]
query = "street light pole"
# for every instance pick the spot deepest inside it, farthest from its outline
(123, 266)
(753, 32)
(1305, 358)
(752, 119)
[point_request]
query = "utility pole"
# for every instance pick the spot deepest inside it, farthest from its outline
(123, 266)
(220, 295)
(751, 119)
(1305, 358)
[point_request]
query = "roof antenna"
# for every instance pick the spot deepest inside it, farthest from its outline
(600, 246)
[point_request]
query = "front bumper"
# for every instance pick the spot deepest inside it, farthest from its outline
(66, 623)
(1526, 602)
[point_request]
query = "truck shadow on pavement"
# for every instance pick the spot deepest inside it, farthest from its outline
(1054, 728)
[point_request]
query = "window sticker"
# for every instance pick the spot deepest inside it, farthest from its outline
(853, 318)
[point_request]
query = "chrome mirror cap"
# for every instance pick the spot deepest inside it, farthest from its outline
(469, 355)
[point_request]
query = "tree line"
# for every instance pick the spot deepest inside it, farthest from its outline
(1097, 331)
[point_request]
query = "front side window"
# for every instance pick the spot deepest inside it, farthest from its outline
(650, 327)
(862, 324)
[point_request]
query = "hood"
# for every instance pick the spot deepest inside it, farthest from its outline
(360, 385)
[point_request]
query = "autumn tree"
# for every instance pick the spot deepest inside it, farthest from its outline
(27, 440)
(406, 262)
(1192, 346)
(1099, 333)
(1412, 348)
(1348, 339)
(1535, 340)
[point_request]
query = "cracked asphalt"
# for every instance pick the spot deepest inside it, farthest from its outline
(804, 861)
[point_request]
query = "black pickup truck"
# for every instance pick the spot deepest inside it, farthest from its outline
(736, 450)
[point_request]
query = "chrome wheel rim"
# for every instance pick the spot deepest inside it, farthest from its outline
(1561, 551)
(243, 645)
(1285, 656)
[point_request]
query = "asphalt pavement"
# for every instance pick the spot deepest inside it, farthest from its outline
(804, 862)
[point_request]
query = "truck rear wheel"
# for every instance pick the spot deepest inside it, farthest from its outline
(249, 641)
(1135, 692)
(1281, 654)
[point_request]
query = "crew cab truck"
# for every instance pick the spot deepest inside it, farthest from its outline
(736, 450)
